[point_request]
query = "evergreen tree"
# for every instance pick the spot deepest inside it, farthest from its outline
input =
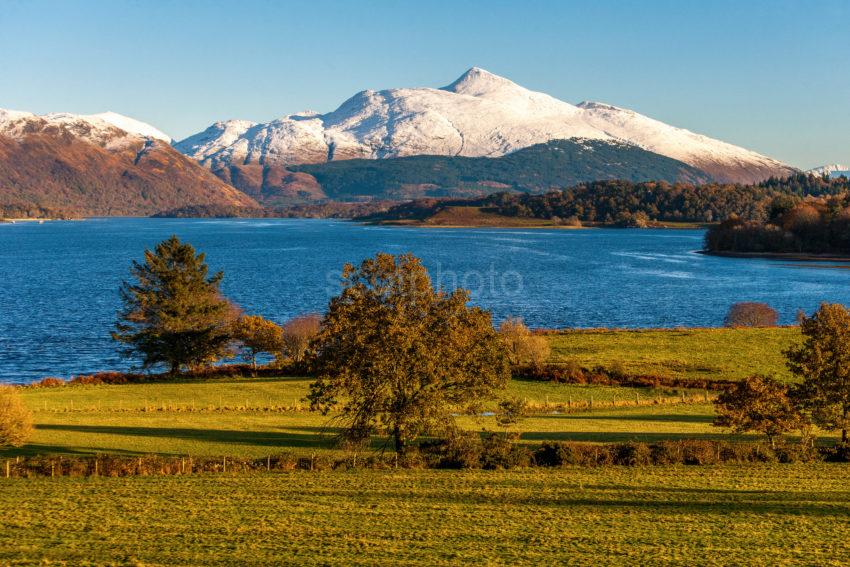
(174, 313)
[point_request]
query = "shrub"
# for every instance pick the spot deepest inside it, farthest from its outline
(555, 455)
(559, 454)
(796, 453)
(460, 450)
(696, 452)
(633, 454)
(15, 418)
(501, 452)
(297, 334)
(840, 453)
(511, 412)
(112, 378)
(524, 347)
(750, 314)
(49, 382)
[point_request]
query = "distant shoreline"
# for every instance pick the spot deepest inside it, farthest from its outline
(798, 256)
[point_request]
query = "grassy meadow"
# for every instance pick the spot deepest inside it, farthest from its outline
(266, 416)
(764, 514)
(755, 514)
(257, 417)
(704, 354)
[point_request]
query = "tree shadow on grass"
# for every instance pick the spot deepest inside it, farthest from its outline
(829, 497)
(312, 438)
(618, 436)
(40, 449)
(666, 418)
(779, 503)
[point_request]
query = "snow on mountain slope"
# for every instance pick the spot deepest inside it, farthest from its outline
(131, 125)
(479, 114)
(104, 129)
(722, 160)
(832, 170)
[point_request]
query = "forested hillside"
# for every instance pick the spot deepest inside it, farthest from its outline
(535, 169)
(630, 203)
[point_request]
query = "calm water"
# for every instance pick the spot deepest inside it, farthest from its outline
(59, 281)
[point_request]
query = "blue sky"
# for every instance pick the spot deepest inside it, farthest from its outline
(772, 76)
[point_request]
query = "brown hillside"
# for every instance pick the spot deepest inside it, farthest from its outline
(272, 185)
(55, 169)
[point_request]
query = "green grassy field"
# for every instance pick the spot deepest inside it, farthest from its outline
(260, 417)
(743, 514)
(256, 417)
(687, 353)
(766, 515)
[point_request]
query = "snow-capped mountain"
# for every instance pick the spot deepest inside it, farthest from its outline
(832, 170)
(100, 164)
(104, 128)
(479, 114)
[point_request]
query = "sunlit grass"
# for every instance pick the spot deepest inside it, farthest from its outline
(753, 514)
(680, 353)
(259, 417)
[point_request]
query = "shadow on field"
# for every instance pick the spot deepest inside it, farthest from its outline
(618, 436)
(772, 503)
(313, 437)
(667, 418)
(35, 449)
(828, 497)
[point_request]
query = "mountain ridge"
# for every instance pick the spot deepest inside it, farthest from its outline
(831, 170)
(477, 115)
(88, 165)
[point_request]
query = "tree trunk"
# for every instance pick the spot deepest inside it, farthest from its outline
(397, 440)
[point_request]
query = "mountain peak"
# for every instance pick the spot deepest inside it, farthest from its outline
(831, 170)
(477, 81)
(479, 114)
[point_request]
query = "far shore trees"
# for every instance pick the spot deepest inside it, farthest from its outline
(255, 335)
(15, 418)
(396, 357)
(174, 313)
(757, 403)
(823, 362)
(751, 314)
